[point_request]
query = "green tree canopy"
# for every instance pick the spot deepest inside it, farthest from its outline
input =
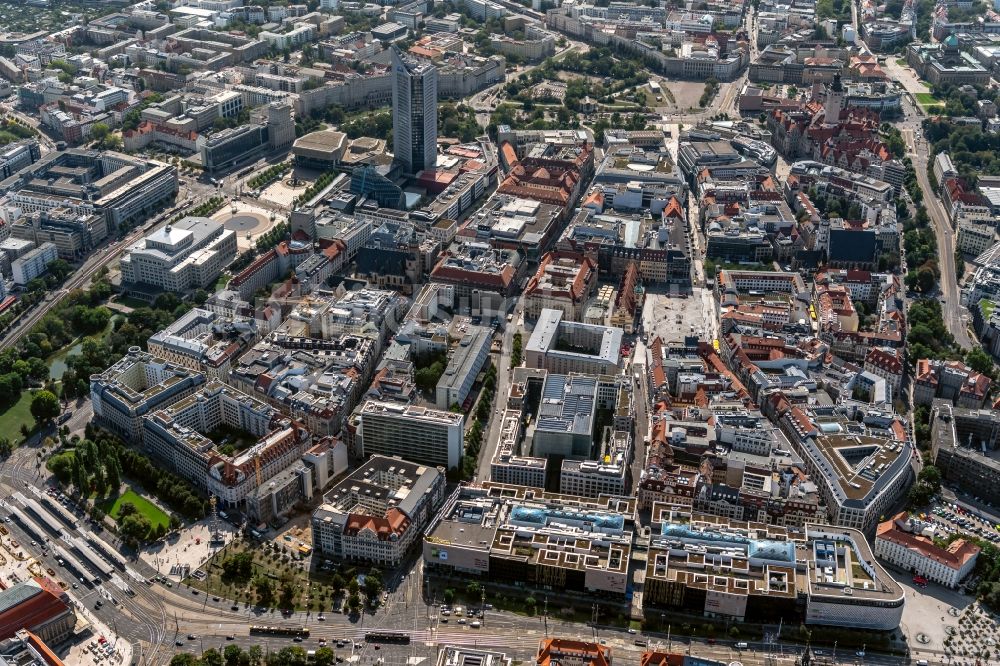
(44, 406)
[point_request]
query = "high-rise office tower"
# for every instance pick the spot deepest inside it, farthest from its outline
(414, 113)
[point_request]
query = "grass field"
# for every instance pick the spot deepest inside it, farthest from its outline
(927, 100)
(14, 416)
(112, 505)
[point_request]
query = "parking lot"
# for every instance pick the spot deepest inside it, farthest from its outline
(955, 519)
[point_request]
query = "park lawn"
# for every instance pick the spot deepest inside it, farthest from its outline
(313, 589)
(926, 99)
(986, 306)
(112, 505)
(15, 416)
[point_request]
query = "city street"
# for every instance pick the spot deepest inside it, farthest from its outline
(956, 317)
(492, 437)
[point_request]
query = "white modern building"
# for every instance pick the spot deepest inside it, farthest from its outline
(417, 434)
(33, 264)
(467, 360)
(189, 254)
(565, 347)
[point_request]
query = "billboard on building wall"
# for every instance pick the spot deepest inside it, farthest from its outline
(606, 581)
(457, 557)
(723, 603)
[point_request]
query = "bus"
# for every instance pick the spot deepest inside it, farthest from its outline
(387, 637)
(279, 631)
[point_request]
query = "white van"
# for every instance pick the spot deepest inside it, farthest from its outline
(742, 645)
(476, 624)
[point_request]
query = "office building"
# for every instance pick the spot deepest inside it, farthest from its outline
(378, 512)
(453, 655)
(564, 281)
(232, 146)
(950, 380)
(318, 380)
(136, 386)
(550, 426)
(17, 155)
(565, 346)
(414, 113)
(122, 189)
(739, 571)
(34, 264)
(861, 466)
(417, 434)
(27, 649)
(483, 277)
(73, 234)
(964, 445)
(527, 537)
(185, 255)
(569, 652)
(205, 341)
(264, 446)
(468, 358)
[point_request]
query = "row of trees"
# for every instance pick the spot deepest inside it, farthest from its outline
(234, 655)
(271, 237)
(515, 356)
(919, 240)
(474, 435)
(269, 175)
(90, 467)
(100, 461)
(203, 209)
(928, 337)
(12, 130)
(317, 186)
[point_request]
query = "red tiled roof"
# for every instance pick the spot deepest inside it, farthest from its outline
(553, 651)
(958, 553)
(394, 522)
(884, 360)
(39, 608)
